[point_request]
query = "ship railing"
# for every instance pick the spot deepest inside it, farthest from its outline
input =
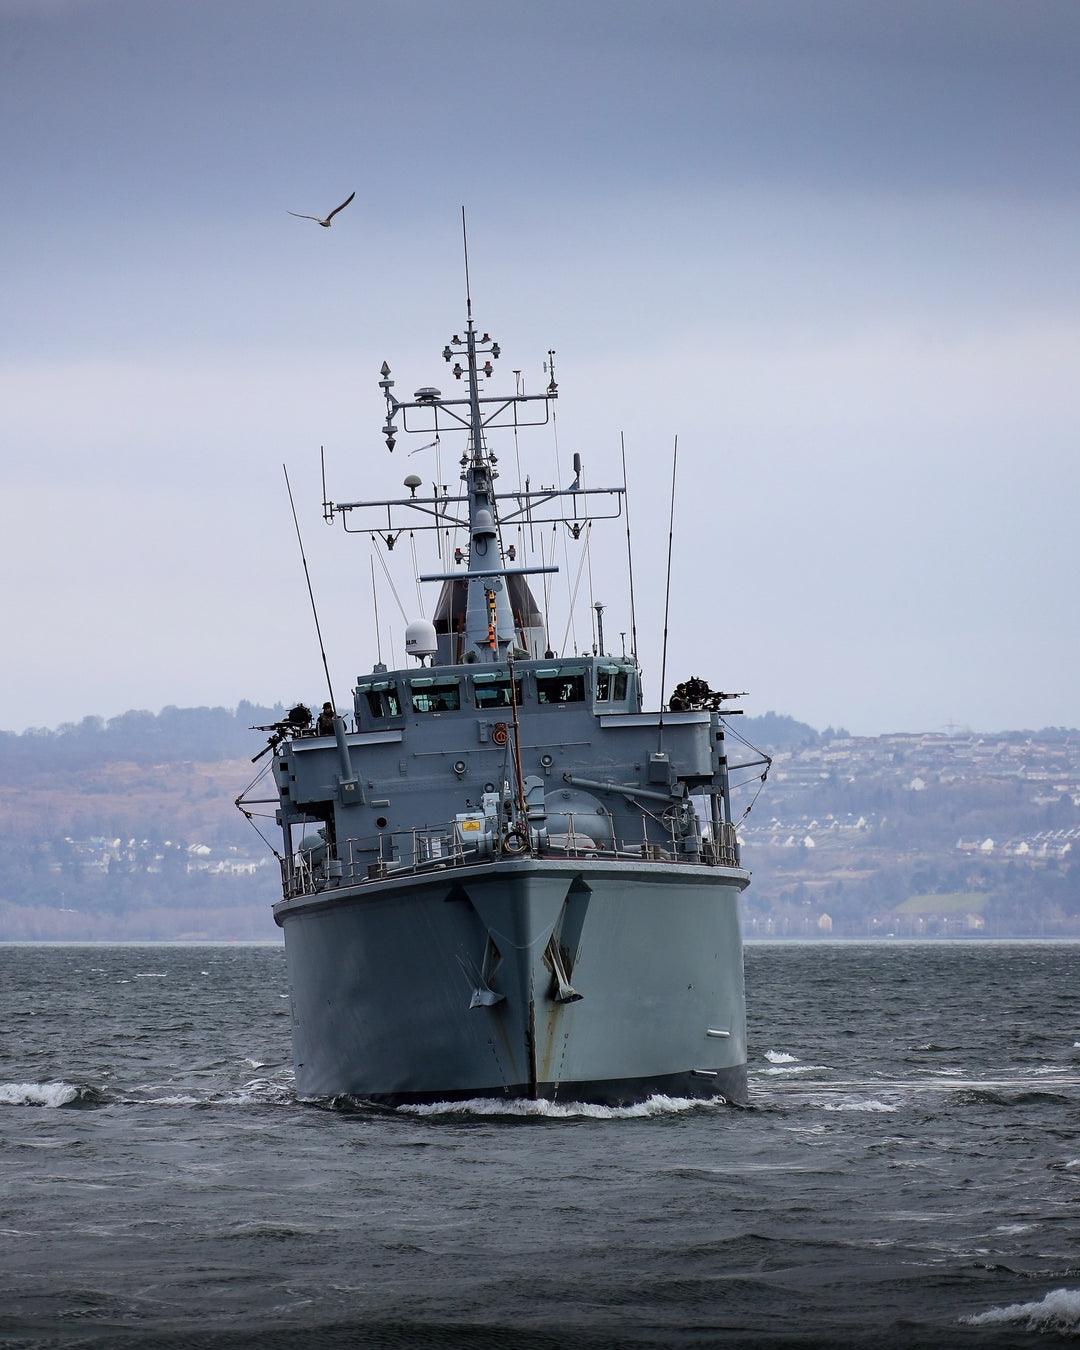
(414, 852)
(299, 876)
(422, 849)
(360, 860)
(722, 850)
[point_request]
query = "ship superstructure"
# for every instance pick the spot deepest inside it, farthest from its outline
(503, 875)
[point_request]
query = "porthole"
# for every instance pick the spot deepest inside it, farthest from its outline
(381, 822)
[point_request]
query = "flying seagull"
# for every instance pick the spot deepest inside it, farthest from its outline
(326, 223)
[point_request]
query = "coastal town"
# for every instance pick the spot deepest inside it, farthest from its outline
(912, 835)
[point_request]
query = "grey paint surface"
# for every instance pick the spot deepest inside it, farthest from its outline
(383, 980)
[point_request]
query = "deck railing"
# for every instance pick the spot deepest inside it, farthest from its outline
(421, 850)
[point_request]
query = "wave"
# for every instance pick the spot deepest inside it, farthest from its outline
(1059, 1311)
(986, 1096)
(57, 1095)
(870, 1104)
(779, 1057)
(787, 1070)
(259, 1092)
(50, 1095)
(255, 1092)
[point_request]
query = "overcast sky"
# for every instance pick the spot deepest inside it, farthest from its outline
(832, 246)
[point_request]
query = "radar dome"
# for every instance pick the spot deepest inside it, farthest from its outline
(421, 639)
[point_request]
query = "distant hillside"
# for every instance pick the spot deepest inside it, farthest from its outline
(205, 735)
(917, 835)
(120, 851)
(174, 734)
(776, 731)
(126, 830)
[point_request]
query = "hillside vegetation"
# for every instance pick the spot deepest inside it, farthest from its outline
(126, 830)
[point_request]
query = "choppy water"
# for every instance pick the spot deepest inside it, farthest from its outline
(908, 1174)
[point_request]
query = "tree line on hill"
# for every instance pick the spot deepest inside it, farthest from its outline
(205, 735)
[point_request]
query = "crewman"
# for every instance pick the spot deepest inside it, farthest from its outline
(680, 699)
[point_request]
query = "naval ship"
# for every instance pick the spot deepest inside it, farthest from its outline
(503, 875)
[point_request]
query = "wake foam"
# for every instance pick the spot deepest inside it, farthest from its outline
(658, 1105)
(1059, 1311)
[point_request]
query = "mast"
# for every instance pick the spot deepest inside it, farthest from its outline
(483, 592)
(489, 630)
(489, 618)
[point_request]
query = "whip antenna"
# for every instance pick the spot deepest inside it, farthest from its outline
(311, 593)
(667, 597)
(629, 553)
(375, 603)
(465, 246)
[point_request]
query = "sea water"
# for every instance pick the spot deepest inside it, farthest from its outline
(907, 1175)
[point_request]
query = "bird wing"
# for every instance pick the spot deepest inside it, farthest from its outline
(342, 207)
(302, 217)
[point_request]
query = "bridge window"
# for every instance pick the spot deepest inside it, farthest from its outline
(561, 686)
(611, 684)
(382, 699)
(493, 691)
(430, 695)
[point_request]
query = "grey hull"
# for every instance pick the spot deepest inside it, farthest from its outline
(539, 978)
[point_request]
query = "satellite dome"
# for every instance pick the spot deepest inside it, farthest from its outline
(421, 639)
